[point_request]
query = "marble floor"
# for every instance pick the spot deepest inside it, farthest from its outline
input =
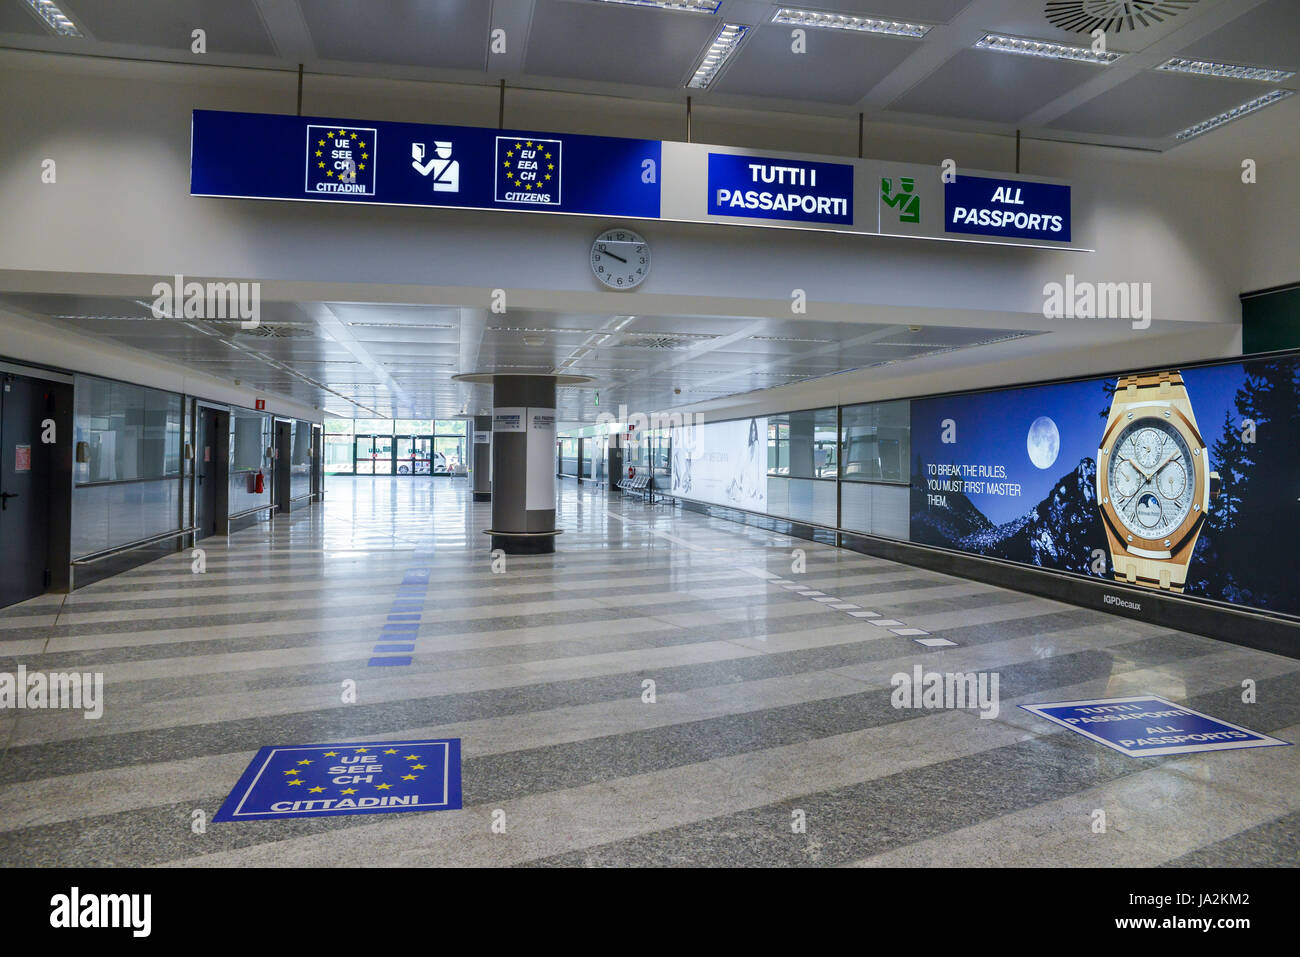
(771, 703)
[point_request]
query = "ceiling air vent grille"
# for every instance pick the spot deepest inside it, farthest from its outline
(1084, 16)
(654, 342)
(266, 330)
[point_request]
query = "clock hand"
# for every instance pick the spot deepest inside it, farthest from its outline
(619, 258)
(1145, 474)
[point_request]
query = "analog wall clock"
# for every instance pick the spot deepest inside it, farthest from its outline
(620, 258)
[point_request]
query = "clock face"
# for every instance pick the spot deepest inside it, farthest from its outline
(620, 258)
(1152, 480)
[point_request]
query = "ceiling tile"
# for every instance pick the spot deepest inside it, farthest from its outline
(1154, 105)
(450, 34)
(1268, 35)
(615, 42)
(232, 26)
(839, 67)
(998, 87)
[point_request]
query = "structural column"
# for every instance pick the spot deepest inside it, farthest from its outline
(481, 460)
(523, 459)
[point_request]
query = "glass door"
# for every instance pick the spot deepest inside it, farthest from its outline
(449, 454)
(414, 454)
(374, 454)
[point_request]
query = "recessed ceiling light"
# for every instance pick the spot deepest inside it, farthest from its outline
(1044, 48)
(1258, 103)
(54, 18)
(685, 6)
(1229, 71)
(787, 339)
(844, 21)
(404, 325)
(719, 52)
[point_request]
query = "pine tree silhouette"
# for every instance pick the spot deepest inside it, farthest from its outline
(1245, 555)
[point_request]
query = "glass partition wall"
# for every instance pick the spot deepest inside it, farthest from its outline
(402, 447)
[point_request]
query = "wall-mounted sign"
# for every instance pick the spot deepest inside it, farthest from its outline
(793, 190)
(22, 458)
(539, 488)
(319, 159)
(261, 405)
(482, 438)
(270, 156)
(509, 419)
(1008, 208)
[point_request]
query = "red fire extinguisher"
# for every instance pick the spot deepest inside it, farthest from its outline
(631, 471)
(259, 483)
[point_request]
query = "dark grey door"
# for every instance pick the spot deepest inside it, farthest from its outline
(283, 472)
(206, 474)
(24, 488)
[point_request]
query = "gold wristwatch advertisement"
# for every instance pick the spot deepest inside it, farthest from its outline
(1182, 480)
(1154, 484)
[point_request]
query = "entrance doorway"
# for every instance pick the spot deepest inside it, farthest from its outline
(26, 465)
(414, 454)
(374, 454)
(210, 472)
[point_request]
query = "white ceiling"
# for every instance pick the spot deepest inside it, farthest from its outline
(363, 359)
(643, 52)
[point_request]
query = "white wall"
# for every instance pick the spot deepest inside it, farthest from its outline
(119, 132)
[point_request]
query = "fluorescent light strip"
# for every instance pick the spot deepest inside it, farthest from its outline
(1044, 48)
(844, 21)
(1258, 103)
(720, 50)
(54, 18)
(1229, 71)
(685, 6)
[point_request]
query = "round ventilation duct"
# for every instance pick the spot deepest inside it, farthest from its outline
(1112, 16)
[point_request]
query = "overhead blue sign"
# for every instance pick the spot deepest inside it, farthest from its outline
(1014, 209)
(361, 778)
(792, 190)
(270, 156)
(1146, 726)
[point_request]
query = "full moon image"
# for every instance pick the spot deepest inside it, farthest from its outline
(1044, 442)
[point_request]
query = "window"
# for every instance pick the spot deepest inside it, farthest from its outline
(126, 432)
(877, 442)
(803, 444)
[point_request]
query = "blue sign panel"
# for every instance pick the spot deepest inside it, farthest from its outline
(369, 777)
(269, 156)
(1146, 726)
(1005, 207)
(792, 190)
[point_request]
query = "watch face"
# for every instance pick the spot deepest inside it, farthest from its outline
(620, 258)
(1152, 481)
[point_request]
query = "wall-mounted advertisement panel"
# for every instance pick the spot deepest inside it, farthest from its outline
(1177, 480)
(272, 156)
(723, 463)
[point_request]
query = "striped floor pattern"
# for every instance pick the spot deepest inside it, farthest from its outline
(772, 703)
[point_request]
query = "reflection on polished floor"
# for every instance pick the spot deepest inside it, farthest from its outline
(767, 702)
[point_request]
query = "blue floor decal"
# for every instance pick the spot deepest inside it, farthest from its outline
(368, 777)
(403, 619)
(1146, 726)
